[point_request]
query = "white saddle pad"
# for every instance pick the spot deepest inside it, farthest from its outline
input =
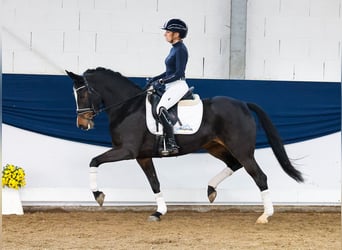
(189, 113)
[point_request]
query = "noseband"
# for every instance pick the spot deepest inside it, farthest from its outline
(91, 107)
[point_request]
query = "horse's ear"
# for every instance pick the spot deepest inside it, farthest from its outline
(73, 75)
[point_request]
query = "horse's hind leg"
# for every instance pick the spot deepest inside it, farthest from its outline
(219, 151)
(147, 166)
(260, 179)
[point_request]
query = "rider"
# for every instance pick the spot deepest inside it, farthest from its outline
(173, 79)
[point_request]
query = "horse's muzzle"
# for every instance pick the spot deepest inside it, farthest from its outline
(84, 123)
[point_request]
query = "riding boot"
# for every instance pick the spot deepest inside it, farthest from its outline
(170, 146)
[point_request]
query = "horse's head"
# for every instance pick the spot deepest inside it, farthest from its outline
(88, 101)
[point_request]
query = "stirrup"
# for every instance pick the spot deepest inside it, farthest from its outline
(169, 148)
(170, 151)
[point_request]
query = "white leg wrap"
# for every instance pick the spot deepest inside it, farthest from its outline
(161, 203)
(93, 179)
(220, 177)
(268, 206)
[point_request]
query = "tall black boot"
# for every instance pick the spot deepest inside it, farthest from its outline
(171, 146)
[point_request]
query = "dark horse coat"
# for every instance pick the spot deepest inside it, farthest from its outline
(227, 131)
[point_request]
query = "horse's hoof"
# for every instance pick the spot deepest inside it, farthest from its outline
(262, 219)
(99, 197)
(154, 217)
(211, 194)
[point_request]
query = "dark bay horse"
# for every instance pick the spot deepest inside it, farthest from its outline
(227, 131)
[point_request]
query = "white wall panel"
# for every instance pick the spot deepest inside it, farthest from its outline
(294, 49)
(145, 6)
(78, 4)
(332, 69)
(261, 51)
(8, 16)
(225, 45)
(152, 23)
(279, 69)
(310, 70)
(181, 8)
(127, 22)
(14, 3)
(68, 19)
(28, 61)
(110, 4)
(215, 25)
(211, 69)
(87, 61)
(7, 56)
(111, 43)
(263, 48)
(216, 7)
(20, 41)
(308, 33)
(79, 41)
(68, 61)
(305, 31)
(263, 7)
(125, 29)
(30, 19)
(58, 174)
(196, 24)
(47, 41)
(42, 4)
(294, 8)
(325, 9)
(332, 27)
(324, 49)
(95, 20)
(256, 25)
(256, 67)
(196, 64)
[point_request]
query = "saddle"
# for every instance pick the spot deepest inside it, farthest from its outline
(154, 100)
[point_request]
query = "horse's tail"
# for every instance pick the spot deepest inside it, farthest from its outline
(276, 143)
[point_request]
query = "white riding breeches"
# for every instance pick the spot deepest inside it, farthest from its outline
(174, 91)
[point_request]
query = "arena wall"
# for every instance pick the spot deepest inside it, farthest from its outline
(294, 40)
(286, 40)
(123, 35)
(57, 174)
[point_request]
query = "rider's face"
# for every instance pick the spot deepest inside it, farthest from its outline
(171, 37)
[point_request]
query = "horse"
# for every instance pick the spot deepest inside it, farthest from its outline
(227, 132)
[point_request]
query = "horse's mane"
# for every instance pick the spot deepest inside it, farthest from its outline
(103, 70)
(110, 73)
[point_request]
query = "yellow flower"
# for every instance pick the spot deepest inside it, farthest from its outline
(13, 176)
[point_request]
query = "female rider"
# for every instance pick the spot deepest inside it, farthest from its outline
(173, 79)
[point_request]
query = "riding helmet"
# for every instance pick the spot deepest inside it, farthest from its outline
(176, 25)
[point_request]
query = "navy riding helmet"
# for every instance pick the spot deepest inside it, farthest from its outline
(176, 25)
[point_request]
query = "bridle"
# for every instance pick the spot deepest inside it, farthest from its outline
(91, 91)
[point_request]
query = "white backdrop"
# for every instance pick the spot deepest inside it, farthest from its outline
(57, 174)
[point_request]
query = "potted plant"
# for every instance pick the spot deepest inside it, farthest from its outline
(13, 178)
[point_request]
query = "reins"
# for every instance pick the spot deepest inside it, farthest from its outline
(121, 103)
(91, 90)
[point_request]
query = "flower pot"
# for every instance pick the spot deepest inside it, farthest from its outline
(11, 203)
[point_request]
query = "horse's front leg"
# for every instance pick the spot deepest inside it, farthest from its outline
(111, 155)
(147, 166)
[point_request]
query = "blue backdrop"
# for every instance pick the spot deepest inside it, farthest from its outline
(300, 110)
